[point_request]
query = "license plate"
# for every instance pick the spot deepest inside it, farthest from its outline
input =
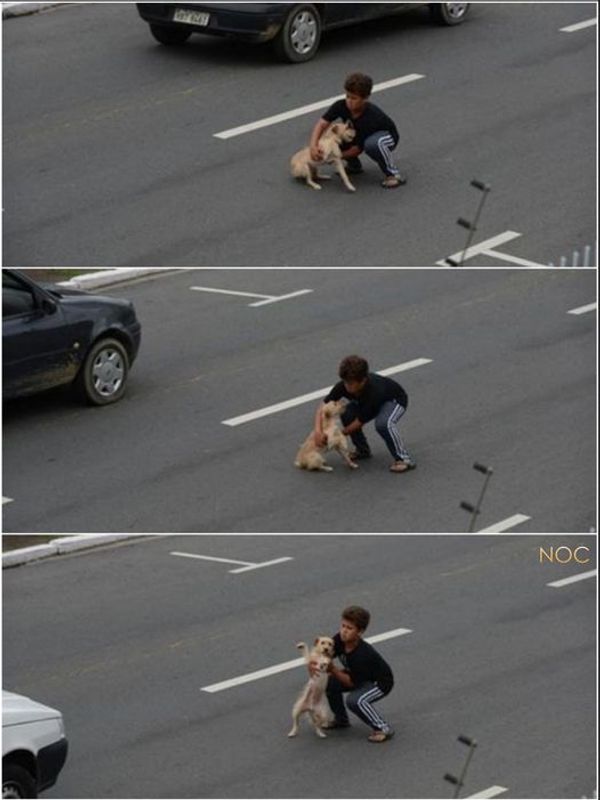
(191, 17)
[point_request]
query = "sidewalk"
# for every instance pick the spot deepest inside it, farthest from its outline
(55, 545)
(92, 278)
(18, 9)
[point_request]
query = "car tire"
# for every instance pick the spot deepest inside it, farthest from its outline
(169, 35)
(102, 377)
(449, 13)
(300, 35)
(17, 782)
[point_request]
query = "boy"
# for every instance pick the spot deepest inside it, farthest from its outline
(366, 676)
(371, 396)
(376, 133)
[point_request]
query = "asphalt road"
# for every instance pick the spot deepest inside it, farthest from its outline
(507, 379)
(124, 640)
(110, 156)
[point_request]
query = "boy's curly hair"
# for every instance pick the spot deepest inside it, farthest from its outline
(359, 83)
(357, 616)
(353, 368)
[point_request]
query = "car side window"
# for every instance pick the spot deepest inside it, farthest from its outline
(17, 298)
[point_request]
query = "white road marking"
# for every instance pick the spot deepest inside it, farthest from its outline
(319, 393)
(247, 565)
(583, 309)
(299, 112)
(476, 249)
(577, 26)
(265, 300)
(7, 500)
(493, 791)
(286, 665)
(581, 576)
(506, 524)
(269, 300)
(261, 565)
(522, 262)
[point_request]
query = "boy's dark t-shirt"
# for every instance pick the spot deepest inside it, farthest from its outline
(365, 664)
(372, 119)
(378, 390)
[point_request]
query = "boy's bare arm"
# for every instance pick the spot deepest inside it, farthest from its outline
(320, 440)
(354, 426)
(352, 152)
(316, 134)
(342, 676)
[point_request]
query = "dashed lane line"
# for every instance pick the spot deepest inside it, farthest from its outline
(265, 300)
(308, 109)
(316, 395)
(7, 500)
(506, 524)
(286, 665)
(583, 309)
(581, 576)
(578, 26)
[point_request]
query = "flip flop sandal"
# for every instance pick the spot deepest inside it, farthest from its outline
(379, 736)
(402, 467)
(393, 183)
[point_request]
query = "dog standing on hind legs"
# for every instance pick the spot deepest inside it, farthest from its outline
(313, 700)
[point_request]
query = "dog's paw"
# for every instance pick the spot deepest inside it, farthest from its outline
(291, 734)
(320, 734)
(352, 465)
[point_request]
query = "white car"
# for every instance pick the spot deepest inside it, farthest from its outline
(34, 746)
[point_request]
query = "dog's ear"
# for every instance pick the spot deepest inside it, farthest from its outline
(317, 640)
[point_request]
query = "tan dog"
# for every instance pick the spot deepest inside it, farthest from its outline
(302, 165)
(313, 700)
(310, 456)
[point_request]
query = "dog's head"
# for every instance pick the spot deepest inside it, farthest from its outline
(333, 408)
(325, 646)
(343, 131)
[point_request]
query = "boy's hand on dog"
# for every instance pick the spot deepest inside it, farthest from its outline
(320, 439)
(313, 668)
(315, 154)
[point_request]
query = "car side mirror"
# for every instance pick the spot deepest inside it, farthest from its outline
(48, 306)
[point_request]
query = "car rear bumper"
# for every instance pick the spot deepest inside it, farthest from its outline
(259, 25)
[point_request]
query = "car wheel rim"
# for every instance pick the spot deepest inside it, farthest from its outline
(108, 372)
(303, 32)
(456, 10)
(10, 790)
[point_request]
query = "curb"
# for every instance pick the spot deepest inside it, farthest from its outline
(20, 9)
(94, 280)
(67, 544)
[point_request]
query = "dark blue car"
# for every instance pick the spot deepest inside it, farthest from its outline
(53, 336)
(293, 28)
